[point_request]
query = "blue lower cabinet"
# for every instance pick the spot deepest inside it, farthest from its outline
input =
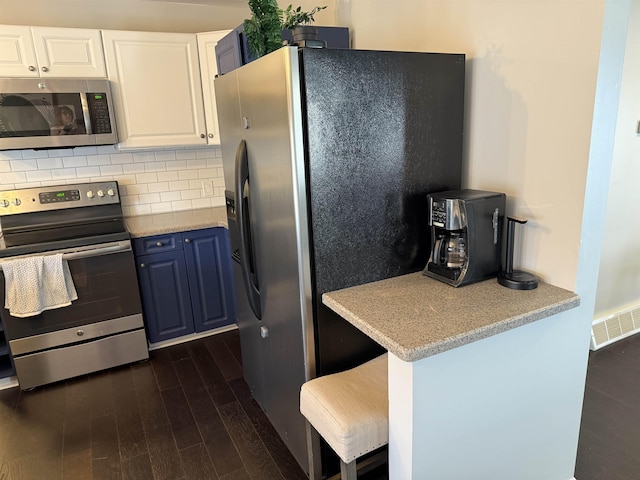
(186, 284)
(166, 302)
(209, 271)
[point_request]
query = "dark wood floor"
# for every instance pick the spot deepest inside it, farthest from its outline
(609, 446)
(187, 414)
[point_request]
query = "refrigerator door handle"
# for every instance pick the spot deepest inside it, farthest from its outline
(247, 259)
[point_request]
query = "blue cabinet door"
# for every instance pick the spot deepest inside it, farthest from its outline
(165, 295)
(208, 263)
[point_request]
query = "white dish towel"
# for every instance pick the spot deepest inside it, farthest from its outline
(38, 283)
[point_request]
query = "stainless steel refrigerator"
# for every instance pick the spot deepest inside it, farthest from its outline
(328, 158)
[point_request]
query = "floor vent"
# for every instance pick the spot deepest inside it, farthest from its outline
(615, 327)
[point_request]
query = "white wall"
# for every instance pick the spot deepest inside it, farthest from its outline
(619, 278)
(531, 68)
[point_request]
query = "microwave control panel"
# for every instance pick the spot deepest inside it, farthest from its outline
(99, 112)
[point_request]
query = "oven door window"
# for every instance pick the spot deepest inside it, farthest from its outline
(41, 114)
(107, 288)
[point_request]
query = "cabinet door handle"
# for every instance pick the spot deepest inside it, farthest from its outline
(142, 265)
(187, 240)
(202, 135)
(32, 68)
(211, 135)
(158, 244)
(45, 69)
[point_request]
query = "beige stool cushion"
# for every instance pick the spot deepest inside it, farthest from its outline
(350, 409)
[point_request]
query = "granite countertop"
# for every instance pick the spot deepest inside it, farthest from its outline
(414, 316)
(171, 222)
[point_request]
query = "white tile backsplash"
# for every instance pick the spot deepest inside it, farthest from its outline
(143, 157)
(13, 178)
(23, 165)
(86, 173)
(70, 162)
(187, 174)
(50, 163)
(39, 176)
(158, 187)
(170, 176)
(133, 168)
(146, 178)
(121, 158)
(168, 197)
(113, 170)
(151, 181)
(26, 154)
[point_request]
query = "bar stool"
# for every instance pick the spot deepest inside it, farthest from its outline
(350, 410)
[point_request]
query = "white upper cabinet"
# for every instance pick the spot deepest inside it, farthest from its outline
(50, 52)
(208, 71)
(156, 88)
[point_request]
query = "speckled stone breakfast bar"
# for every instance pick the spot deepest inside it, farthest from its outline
(171, 222)
(414, 316)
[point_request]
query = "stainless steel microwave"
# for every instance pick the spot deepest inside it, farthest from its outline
(57, 112)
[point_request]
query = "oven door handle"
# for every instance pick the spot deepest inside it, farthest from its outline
(95, 252)
(86, 252)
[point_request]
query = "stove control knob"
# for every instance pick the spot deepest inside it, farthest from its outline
(100, 193)
(111, 192)
(90, 194)
(16, 201)
(4, 203)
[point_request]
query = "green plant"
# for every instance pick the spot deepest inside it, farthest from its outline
(263, 29)
(295, 16)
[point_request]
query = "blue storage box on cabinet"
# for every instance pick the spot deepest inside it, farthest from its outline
(232, 50)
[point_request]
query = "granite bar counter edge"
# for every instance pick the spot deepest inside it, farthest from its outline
(180, 221)
(415, 317)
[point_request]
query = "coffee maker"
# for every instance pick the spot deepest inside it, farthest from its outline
(466, 235)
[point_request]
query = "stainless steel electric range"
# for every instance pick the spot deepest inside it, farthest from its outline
(104, 327)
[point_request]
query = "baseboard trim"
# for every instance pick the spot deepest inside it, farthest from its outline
(192, 336)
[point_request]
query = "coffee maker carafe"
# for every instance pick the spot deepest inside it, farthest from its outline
(466, 235)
